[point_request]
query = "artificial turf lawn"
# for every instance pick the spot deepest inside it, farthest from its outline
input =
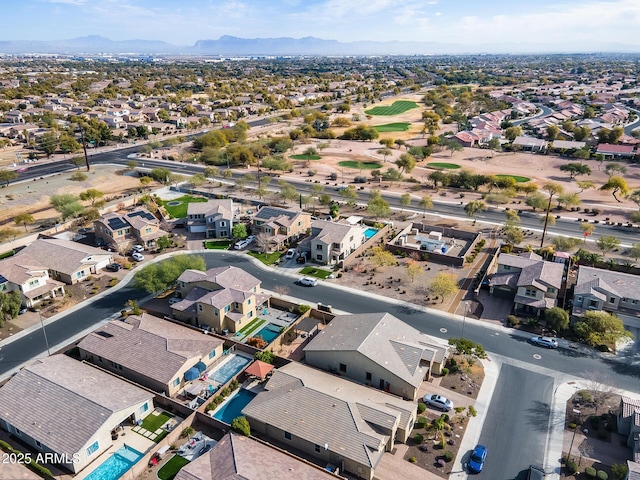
(180, 211)
(396, 108)
(170, 469)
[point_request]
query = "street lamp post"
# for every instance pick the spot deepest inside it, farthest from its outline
(464, 317)
(44, 332)
(577, 412)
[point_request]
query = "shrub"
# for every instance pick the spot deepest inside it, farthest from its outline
(418, 438)
(360, 179)
(241, 425)
(512, 321)
(413, 459)
(421, 407)
(573, 426)
(186, 432)
(422, 422)
(602, 475)
(619, 471)
(471, 411)
(570, 465)
(447, 456)
(225, 392)
(445, 371)
(78, 177)
(302, 309)
(590, 472)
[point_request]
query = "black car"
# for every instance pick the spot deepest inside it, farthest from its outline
(113, 267)
(205, 449)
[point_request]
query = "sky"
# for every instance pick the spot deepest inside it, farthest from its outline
(182, 22)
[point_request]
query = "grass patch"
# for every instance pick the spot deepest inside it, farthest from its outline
(360, 165)
(170, 469)
(153, 422)
(393, 127)
(8, 254)
(251, 326)
(303, 156)
(396, 108)
(180, 211)
(217, 245)
(517, 178)
(267, 258)
(443, 165)
(315, 272)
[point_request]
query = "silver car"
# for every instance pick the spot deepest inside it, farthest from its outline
(546, 342)
(438, 401)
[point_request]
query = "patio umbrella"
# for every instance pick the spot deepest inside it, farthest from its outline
(191, 374)
(200, 366)
(259, 369)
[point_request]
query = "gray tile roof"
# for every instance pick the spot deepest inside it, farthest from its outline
(226, 277)
(21, 268)
(62, 403)
(219, 207)
(333, 232)
(383, 339)
(133, 342)
(63, 255)
(236, 457)
(623, 285)
(533, 268)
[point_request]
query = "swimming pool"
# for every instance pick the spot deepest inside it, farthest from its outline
(233, 407)
(269, 332)
(229, 369)
(116, 465)
(370, 232)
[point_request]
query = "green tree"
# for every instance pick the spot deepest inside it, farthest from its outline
(381, 257)
(494, 145)
(23, 219)
(580, 134)
(513, 234)
(48, 143)
(453, 146)
(585, 185)
(406, 162)
(197, 180)
(405, 201)
(425, 202)
(158, 277)
(617, 185)
(606, 243)
(8, 233)
(239, 231)
(241, 425)
(634, 251)
(438, 426)
(91, 195)
(385, 152)
(472, 208)
(552, 132)
(557, 318)
(443, 284)
(67, 205)
(575, 169)
(614, 168)
(7, 176)
(569, 200)
(600, 328)
(536, 201)
(10, 304)
(512, 132)
(378, 206)
(565, 244)
(414, 270)
(164, 242)
(160, 175)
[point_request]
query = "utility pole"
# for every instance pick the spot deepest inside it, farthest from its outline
(84, 147)
(546, 221)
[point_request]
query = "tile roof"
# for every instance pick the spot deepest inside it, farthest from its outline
(226, 277)
(236, 457)
(534, 270)
(345, 414)
(609, 148)
(21, 268)
(222, 207)
(383, 339)
(623, 285)
(333, 232)
(62, 403)
(634, 470)
(134, 341)
(63, 255)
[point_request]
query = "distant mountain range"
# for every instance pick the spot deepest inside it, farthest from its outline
(227, 46)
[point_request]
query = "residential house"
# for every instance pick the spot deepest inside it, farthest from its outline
(616, 151)
(280, 225)
(69, 408)
(629, 423)
(329, 418)
(379, 350)
(532, 282)
(69, 262)
(14, 116)
(615, 292)
(214, 218)
(224, 298)
(530, 144)
(236, 457)
(28, 278)
(125, 347)
(332, 242)
(121, 230)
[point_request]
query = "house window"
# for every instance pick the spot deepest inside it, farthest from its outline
(530, 293)
(223, 224)
(224, 233)
(634, 302)
(148, 229)
(144, 408)
(318, 257)
(317, 448)
(93, 448)
(249, 302)
(216, 312)
(33, 283)
(227, 308)
(318, 247)
(506, 267)
(579, 299)
(176, 382)
(552, 290)
(212, 354)
(287, 435)
(351, 238)
(612, 300)
(250, 314)
(199, 307)
(368, 376)
(343, 367)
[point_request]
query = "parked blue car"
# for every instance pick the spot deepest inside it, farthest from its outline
(478, 456)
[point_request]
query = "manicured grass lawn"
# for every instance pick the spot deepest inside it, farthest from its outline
(251, 326)
(396, 108)
(172, 467)
(443, 165)
(247, 333)
(393, 127)
(359, 165)
(217, 245)
(303, 156)
(267, 258)
(315, 272)
(153, 422)
(180, 211)
(517, 178)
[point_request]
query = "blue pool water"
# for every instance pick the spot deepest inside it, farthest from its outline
(233, 408)
(229, 369)
(370, 232)
(116, 465)
(269, 333)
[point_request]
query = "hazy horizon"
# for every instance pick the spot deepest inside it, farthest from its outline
(570, 25)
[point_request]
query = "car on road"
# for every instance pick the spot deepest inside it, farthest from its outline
(438, 401)
(173, 300)
(476, 461)
(138, 257)
(113, 267)
(138, 248)
(290, 254)
(546, 342)
(308, 281)
(535, 473)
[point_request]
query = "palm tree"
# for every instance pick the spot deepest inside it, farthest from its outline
(472, 208)
(552, 188)
(438, 426)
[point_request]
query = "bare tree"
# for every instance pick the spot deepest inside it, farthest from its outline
(598, 384)
(263, 241)
(281, 290)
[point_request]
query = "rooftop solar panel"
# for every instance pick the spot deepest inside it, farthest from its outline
(116, 223)
(141, 214)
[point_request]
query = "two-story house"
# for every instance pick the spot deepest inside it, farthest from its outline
(28, 278)
(224, 298)
(614, 292)
(331, 242)
(214, 218)
(280, 225)
(532, 282)
(120, 231)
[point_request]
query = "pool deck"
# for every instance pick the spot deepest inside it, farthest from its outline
(190, 450)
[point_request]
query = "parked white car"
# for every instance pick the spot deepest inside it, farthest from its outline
(438, 401)
(290, 254)
(546, 342)
(138, 257)
(241, 244)
(138, 248)
(308, 281)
